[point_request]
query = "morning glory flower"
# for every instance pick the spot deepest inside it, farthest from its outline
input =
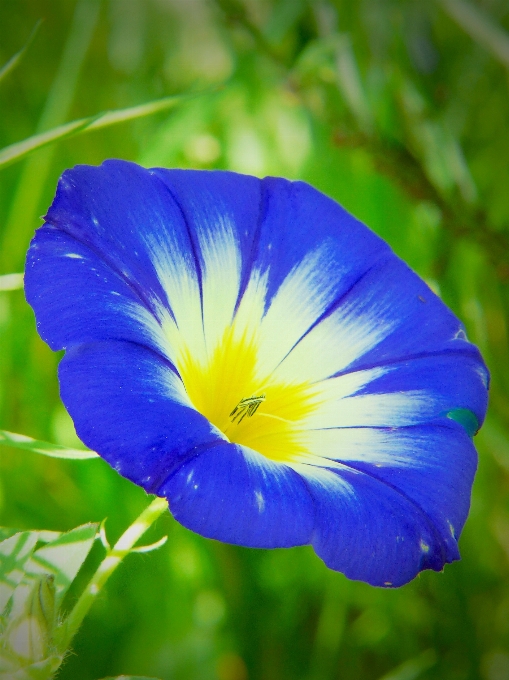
(248, 350)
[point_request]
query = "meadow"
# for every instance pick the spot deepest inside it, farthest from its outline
(397, 109)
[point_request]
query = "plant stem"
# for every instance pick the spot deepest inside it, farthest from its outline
(113, 558)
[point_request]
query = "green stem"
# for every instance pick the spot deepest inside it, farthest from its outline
(113, 558)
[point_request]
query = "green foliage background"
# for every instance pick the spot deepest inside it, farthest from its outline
(399, 109)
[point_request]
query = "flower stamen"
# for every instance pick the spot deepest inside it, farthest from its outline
(247, 406)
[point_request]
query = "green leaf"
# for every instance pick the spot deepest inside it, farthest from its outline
(19, 150)
(21, 441)
(41, 670)
(62, 557)
(14, 554)
(16, 58)
(19, 564)
(42, 536)
(465, 418)
(33, 583)
(7, 532)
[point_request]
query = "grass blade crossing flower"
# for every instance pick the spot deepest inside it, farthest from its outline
(248, 350)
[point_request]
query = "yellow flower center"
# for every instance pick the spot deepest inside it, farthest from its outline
(249, 409)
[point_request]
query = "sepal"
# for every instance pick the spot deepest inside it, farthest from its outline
(36, 569)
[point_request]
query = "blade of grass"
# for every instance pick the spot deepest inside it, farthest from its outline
(130, 677)
(21, 441)
(350, 83)
(412, 669)
(11, 282)
(481, 27)
(18, 151)
(16, 58)
(24, 209)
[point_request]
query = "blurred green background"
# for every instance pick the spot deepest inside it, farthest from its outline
(399, 110)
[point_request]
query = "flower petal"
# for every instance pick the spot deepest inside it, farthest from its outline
(119, 211)
(174, 291)
(312, 252)
(434, 465)
(220, 210)
(63, 275)
(368, 530)
(281, 243)
(389, 314)
(234, 494)
(402, 393)
(296, 220)
(128, 404)
(130, 220)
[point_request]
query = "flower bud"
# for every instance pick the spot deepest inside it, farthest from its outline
(32, 621)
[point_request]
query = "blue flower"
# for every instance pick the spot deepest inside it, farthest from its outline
(250, 351)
